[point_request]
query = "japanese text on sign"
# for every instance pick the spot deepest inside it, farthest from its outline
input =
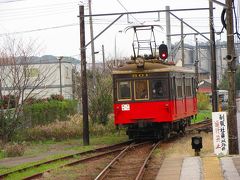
(220, 133)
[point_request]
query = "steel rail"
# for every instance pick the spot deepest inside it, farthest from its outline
(66, 157)
(107, 168)
(200, 126)
(104, 172)
(144, 166)
(38, 175)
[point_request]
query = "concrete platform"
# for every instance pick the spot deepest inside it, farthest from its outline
(170, 169)
(200, 168)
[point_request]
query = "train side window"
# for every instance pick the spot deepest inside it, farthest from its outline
(159, 88)
(188, 87)
(141, 89)
(179, 87)
(124, 90)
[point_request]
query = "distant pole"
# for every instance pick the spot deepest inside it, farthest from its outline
(115, 49)
(221, 60)
(103, 56)
(84, 77)
(231, 59)
(60, 72)
(92, 43)
(196, 60)
(213, 60)
(182, 43)
(168, 28)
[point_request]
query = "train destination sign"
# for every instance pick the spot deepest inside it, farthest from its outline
(139, 75)
(220, 133)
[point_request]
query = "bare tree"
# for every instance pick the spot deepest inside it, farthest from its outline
(19, 78)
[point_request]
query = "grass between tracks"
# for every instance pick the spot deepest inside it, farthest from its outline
(66, 147)
(202, 114)
(36, 170)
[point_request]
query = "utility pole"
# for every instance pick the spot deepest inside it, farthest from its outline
(182, 44)
(231, 61)
(84, 77)
(196, 60)
(168, 29)
(220, 57)
(60, 73)
(213, 60)
(103, 56)
(92, 43)
(115, 50)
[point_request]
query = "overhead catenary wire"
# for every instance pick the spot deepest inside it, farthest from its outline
(8, 13)
(10, 1)
(127, 11)
(40, 29)
(69, 25)
(45, 6)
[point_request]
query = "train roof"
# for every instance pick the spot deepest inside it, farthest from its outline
(150, 66)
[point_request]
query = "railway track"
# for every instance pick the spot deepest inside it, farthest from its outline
(130, 163)
(205, 126)
(100, 152)
(132, 156)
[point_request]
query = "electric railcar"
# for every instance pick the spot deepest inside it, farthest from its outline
(153, 100)
(151, 97)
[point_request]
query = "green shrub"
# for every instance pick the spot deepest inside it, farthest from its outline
(203, 101)
(45, 112)
(13, 150)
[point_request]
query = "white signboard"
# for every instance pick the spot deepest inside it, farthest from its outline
(125, 107)
(220, 133)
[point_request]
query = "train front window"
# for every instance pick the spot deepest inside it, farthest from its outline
(124, 90)
(141, 89)
(159, 89)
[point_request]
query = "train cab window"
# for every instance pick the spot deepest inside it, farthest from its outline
(159, 89)
(141, 89)
(124, 90)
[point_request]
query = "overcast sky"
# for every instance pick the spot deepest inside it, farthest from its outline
(54, 23)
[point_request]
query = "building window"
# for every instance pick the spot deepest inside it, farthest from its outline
(141, 89)
(67, 73)
(32, 72)
(124, 90)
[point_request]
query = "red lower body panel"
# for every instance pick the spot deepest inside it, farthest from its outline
(154, 111)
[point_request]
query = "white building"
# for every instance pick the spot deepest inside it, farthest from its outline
(38, 77)
(204, 57)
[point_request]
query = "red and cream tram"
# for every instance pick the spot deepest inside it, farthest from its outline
(152, 98)
(155, 100)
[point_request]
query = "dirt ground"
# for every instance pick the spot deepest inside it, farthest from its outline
(181, 147)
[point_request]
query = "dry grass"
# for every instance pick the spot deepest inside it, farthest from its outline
(183, 146)
(61, 130)
(13, 150)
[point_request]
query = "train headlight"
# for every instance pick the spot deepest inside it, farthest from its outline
(197, 144)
